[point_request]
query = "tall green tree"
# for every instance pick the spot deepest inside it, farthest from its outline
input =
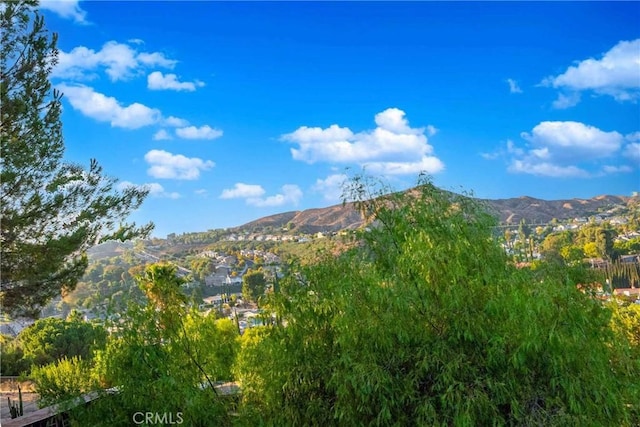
(51, 211)
(427, 323)
(164, 357)
(253, 285)
(52, 339)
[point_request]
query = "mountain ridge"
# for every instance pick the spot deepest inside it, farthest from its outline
(510, 211)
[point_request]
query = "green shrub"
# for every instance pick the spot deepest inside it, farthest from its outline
(62, 380)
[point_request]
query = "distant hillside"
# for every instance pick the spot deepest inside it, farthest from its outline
(108, 249)
(333, 218)
(509, 211)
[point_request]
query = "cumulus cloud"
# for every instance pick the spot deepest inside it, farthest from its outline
(158, 81)
(242, 191)
(616, 73)
(547, 169)
(608, 169)
(161, 135)
(155, 189)
(175, 122)
(565, 101)
(513, 86)
(252, 194)
(331, 187)
(393, 146)
(68, 9)
(574, 140)
(107, 109)
(175, 166)
(203, 132)
(632, 151)
(290, 194)
(564, 149)
(120, 61)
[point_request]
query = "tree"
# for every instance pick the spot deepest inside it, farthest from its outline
(52, 339)
(253, 285)
(427, 323)
(168, 369)
(524, 232)
(51, 210)
(604, 242)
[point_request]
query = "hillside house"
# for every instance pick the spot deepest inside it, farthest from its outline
(219, 277)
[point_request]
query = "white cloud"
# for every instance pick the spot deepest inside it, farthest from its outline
(633, 137)
(513, 86)
(65, 9)
(175, 122)
(161, 135)
(120, 62)
(429, 164)
(242, 191)
(155, 189)
(547, 169)
(154, 59)
(175, 166)
(107, 109)
(158, 81)
(252, 193)
(511, 150)
(331, 187)
(573, 141)
(563, 149)
(616, 74)
(632, 151)
(203, 132)
(393, 146)
(608, 169)
(291, 194)
(566, 101)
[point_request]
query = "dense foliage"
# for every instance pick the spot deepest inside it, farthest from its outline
(51, 211)
(427, 323)
(62, 380)
(163, 357)
(253, 285)
(50, 340)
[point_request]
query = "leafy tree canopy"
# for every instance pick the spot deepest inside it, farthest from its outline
(51, 210)
(427, 323)
(253, 285)
(163, 357)
(51, 339)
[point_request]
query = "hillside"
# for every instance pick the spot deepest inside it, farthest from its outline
(509, 211)
(332, 218)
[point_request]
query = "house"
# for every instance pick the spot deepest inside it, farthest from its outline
(219, 277)
(215, 301)
(233, 280)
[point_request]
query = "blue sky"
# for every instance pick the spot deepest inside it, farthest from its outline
(234, 111)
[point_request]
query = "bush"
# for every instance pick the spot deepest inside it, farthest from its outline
(62, 380)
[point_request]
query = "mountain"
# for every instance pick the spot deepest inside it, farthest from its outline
(333, 218)
(509, 211)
